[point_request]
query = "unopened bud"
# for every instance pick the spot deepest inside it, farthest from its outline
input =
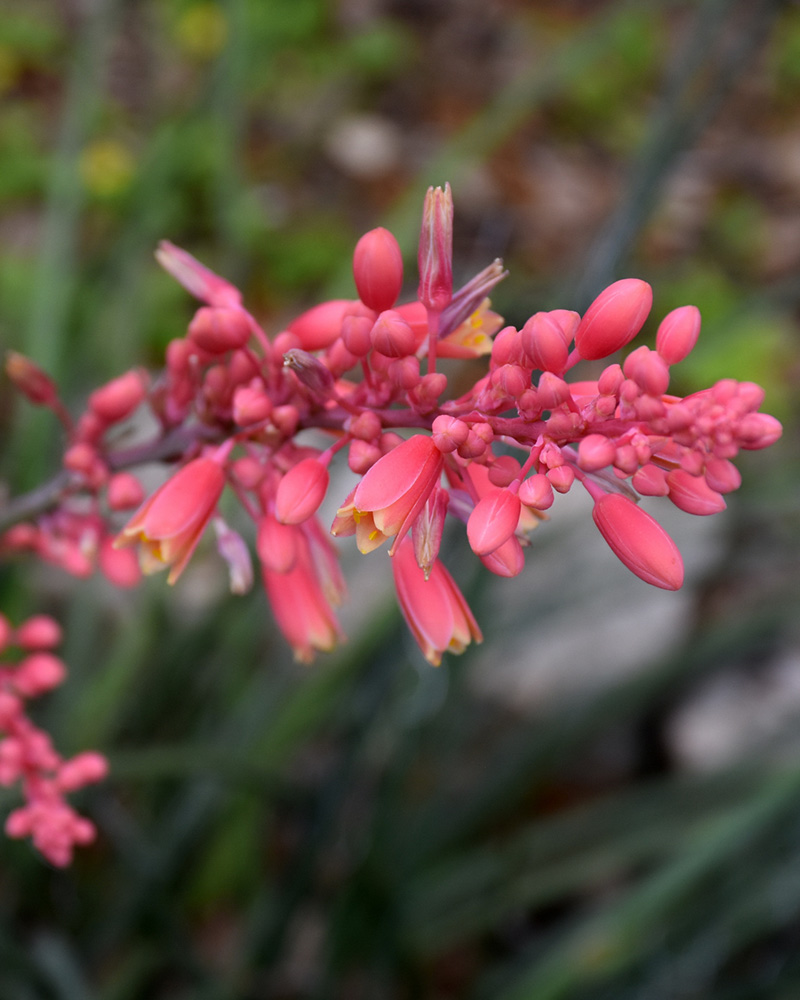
(31, 381)
(677, 333)
(545, 343)
(392, 336)
(595, 452)
(195, 277)
(320, 326)
(250, 405)
(378, 269)
(301, 491)
(118, 398)
(493, 521)
(219, 330)
(614, 318)
(639, 541)
(435, 256)
(693, 494)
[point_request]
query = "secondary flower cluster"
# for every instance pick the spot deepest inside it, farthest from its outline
(26, 752)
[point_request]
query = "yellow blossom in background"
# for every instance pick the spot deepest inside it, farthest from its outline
(202, 30)
(106, 167)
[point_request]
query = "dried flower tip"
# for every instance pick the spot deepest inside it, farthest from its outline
(470, 297)
(309, 370)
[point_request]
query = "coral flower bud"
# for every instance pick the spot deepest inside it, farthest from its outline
(610, 380)
(722, 475)
(392, 336)
(693, 494)
(507, 347)
(425, 395)
(118, 566)
(250, 406)
(38, 632)
(124, 491)
(561, 478)
(38, 673)
(361, 456)
(197, 279)
(301, 491)
(31, 381)
(552, 391)
(537, 492)
(614, 318)
(404, 373)
(596, 452)
(507, 560)
(639, 541)
(677, 334)
(366, 426)
(320, 326)
(545, 343)
(493, 521)
(648, 369)
(435, 255)
(356, 335)
(758, 430)
(449, 433)
(119, 398)
(378, 269)
(650, 481)
(219, 330)
(504, 471)
(82, 769)
(168, 526)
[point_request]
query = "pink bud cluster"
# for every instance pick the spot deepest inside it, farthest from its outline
(263, 418)
(28, 669)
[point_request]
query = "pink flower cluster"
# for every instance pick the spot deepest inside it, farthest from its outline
(263, 418)
(26, 752)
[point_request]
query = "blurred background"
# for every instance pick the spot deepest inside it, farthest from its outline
(601, 801)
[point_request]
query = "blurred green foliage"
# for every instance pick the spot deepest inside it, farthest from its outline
(370, 827)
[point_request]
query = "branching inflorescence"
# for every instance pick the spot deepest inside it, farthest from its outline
(232, 405)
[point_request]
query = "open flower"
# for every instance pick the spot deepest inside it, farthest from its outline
(434, 608)
(168, 525)
(391, 495)
(301, 597)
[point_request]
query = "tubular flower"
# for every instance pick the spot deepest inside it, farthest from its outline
(168, 526)
(391, 495)
(434, 608)
(301, 599)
